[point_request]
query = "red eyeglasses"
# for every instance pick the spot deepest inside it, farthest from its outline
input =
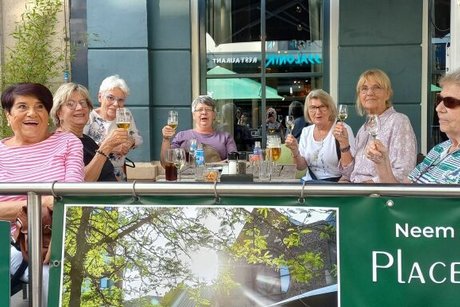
(449, 102)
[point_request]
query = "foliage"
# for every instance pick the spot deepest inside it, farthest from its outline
(34, 58)
(143, 250)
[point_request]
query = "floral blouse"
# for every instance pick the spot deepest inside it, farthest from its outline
(98, 128)
(396, 133)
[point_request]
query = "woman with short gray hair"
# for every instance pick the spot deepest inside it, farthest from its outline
(112, 95)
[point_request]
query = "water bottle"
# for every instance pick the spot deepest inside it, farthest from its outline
(258, 155)
(199, 162)
(192, 150)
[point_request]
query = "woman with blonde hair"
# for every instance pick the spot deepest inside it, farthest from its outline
(393, 129)
(318, 150)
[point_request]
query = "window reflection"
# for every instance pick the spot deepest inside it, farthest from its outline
(293, 62)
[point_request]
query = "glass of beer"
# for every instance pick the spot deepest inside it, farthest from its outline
(173, 119)
(273, 152)
(123, 118)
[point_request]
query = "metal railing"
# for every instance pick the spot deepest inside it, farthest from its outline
(217, 190)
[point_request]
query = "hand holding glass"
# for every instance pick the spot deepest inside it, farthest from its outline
(290, 123)
(173, 119)
(343, 112)
(123, 118)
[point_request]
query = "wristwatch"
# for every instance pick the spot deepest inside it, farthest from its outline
(345, 149)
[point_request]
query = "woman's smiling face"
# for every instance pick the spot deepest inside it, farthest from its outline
(28, 118)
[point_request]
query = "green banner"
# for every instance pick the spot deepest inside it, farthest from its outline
(5, 236)
(255, 251)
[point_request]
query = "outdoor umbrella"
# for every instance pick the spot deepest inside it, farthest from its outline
(236, 88)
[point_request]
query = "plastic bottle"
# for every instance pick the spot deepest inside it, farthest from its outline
(199, 162)
(258, 152)
(192, 150)
(232, 163)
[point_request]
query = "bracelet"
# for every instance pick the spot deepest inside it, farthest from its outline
(296, 155)
(345, 149)
(102, 153)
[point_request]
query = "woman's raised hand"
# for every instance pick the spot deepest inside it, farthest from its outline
(376, 151)
(341, 134)
(291, 143)
(168, 132)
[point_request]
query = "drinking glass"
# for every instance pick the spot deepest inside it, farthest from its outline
(343, 112)
(373, 125)
(273, 151)
(290, 123)
(170, 167)
(173, 119)
(123, 118)
(179, 159)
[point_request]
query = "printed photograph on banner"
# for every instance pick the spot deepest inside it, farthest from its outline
(199, 256)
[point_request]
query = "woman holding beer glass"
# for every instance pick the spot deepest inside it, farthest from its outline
(318, 150)
(216, 144)
(103, 120)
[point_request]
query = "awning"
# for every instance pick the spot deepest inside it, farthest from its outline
(236, 88)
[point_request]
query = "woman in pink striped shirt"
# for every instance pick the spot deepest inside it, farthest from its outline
(34, 154)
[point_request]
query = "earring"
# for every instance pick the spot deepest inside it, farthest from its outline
(8, 123)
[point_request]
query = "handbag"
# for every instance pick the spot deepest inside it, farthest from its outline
(20, 235)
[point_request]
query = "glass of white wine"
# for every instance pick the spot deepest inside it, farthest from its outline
(173, 119)
(343, 112)
(290, 123)
(179, 159)
(123, 118)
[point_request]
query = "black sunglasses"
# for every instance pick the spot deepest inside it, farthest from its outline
(449, 102)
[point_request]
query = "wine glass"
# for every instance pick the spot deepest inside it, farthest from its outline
(343, 112)
(179, 159)
(373, 125)
(173, 119)
(123, 118)
(290, 123)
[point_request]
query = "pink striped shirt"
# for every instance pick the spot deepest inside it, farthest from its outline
(58, 158)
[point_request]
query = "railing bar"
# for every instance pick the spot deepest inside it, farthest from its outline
(228, 189)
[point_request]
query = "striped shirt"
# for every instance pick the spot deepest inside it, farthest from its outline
(439, 166)
(58, 158)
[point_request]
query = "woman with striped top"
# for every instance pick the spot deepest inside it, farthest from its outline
(34, 154)
(442, 164)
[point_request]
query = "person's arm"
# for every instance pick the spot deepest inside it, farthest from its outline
(94, 167)
(74, 166)
(168, 134)
(10, 208)
(291, 143)
(345, 139)
(378, 153)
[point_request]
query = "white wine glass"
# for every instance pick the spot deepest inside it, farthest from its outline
(173, 119)
(179, 159)
(123, 118)
(343, 112)
(373, 125)
(290, 123)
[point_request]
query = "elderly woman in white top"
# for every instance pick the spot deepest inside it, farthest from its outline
(374, 94)
(112, 95)
(319, 151)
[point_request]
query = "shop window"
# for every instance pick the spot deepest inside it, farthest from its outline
(237, 70)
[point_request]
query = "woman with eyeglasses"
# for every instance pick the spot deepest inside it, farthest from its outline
(112, 95)
(319, 151)
(70, 112)
(217, 144)
(391, 128)
(442, 164)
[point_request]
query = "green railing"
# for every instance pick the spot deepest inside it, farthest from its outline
(398, 239)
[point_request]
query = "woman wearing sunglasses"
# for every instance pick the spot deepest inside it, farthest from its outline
(442, 164)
